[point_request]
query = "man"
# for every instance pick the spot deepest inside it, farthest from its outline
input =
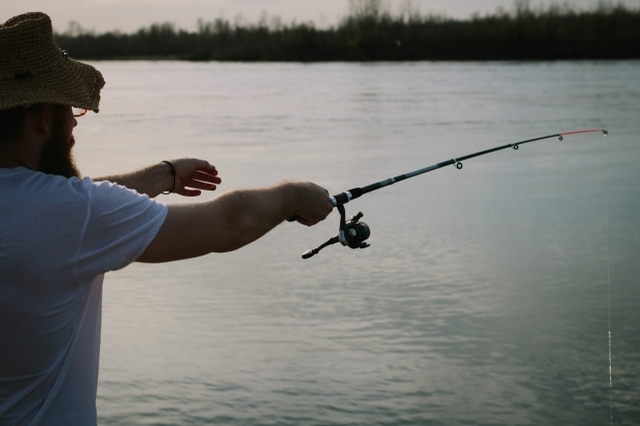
(59, 233)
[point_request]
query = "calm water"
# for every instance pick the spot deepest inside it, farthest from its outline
(483, 299)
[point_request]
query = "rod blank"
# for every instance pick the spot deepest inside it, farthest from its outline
(352, 194)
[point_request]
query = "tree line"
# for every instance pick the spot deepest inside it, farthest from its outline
(370, 32)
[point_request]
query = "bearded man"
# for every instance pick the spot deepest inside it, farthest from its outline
(60, 233)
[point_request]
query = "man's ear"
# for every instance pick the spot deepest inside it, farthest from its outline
(43, 116)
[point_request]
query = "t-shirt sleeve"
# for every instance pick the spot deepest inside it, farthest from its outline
(120, 224)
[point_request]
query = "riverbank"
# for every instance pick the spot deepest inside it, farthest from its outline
(553, 33)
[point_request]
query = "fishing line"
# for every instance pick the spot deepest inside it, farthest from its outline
(607, 179)
(353, 233)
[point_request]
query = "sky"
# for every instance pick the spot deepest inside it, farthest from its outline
(131, 15)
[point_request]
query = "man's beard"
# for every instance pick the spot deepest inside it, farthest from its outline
(56, 157)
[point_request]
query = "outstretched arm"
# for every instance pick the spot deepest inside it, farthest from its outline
(191, 177)
(235, 219)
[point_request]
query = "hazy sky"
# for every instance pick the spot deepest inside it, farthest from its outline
(130, 15)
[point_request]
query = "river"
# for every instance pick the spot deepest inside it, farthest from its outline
(486, 297)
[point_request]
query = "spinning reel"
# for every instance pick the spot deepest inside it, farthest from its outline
(352, 233)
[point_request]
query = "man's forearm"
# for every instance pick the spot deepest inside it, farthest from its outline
(234, 219)
(237, 218)
(151, 180)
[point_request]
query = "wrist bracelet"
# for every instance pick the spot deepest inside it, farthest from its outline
(173, 173)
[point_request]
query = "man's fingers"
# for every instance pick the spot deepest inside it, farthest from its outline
(209, 186)
(206, 177)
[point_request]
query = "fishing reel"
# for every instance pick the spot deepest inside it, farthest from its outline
(352, 233)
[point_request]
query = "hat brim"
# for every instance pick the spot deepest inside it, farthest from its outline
(68, 82)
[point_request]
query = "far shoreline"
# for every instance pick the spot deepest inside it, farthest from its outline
(608, 32)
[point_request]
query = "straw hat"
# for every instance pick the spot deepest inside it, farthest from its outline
(34, 70)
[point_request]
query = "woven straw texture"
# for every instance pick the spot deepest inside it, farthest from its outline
(34, 70)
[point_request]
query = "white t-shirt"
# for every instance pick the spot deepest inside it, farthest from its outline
(57, 239)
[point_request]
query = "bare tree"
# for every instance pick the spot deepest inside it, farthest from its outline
(409, 11)
(523, 7)
(367, 9)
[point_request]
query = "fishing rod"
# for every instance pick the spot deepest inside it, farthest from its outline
(353, 233)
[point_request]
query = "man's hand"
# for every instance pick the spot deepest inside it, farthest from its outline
(193, 176)
(311, 201)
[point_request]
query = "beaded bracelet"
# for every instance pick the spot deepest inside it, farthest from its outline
(173, 173)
